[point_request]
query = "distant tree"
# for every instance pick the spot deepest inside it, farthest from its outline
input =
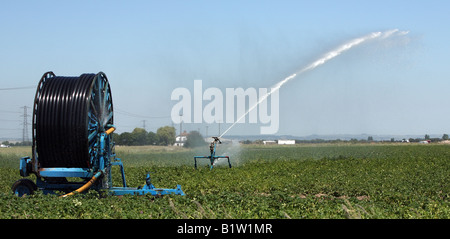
(116, 138)
(434, 140)
(194, 139)
(22, 143)
(445, 137)
(125, 138)
(370, 139)
(258, 141)
(166, 135)
(427, 137)
(152, 138)
(247, 142)
(139, 136)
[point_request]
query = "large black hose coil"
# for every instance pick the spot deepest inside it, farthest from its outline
(68, 116)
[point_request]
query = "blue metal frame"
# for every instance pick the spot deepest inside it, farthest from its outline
(66, 172)
(25, 166)
(212, 158)
(51, 187)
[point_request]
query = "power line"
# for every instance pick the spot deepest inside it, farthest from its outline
(123, 112)
(9, 111)
(9, 120)
(19, 88)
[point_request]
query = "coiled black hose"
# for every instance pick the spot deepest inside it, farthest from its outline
(68, 115)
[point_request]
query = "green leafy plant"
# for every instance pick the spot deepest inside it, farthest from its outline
(302, 181)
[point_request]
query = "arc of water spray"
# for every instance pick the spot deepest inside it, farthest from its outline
(330, 55)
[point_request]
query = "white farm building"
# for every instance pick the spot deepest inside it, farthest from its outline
(180, 139)
(286, 141)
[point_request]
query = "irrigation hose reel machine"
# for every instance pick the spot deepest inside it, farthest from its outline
(72, 138)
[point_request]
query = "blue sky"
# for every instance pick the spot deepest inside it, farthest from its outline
(149, 48)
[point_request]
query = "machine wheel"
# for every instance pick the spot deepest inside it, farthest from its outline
(23, 187)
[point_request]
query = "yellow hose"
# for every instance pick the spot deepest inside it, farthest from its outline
(110, 130)
(84, 187)
(93, 179)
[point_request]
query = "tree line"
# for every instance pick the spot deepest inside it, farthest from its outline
(139, 136)
(369, 139)
(164, 136)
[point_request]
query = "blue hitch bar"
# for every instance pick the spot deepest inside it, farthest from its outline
(148, 188)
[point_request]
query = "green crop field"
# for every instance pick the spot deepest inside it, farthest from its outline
(301, 181)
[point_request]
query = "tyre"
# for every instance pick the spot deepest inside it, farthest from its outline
(23, 187)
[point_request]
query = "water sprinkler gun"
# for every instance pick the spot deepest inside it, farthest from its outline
(213, 158)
